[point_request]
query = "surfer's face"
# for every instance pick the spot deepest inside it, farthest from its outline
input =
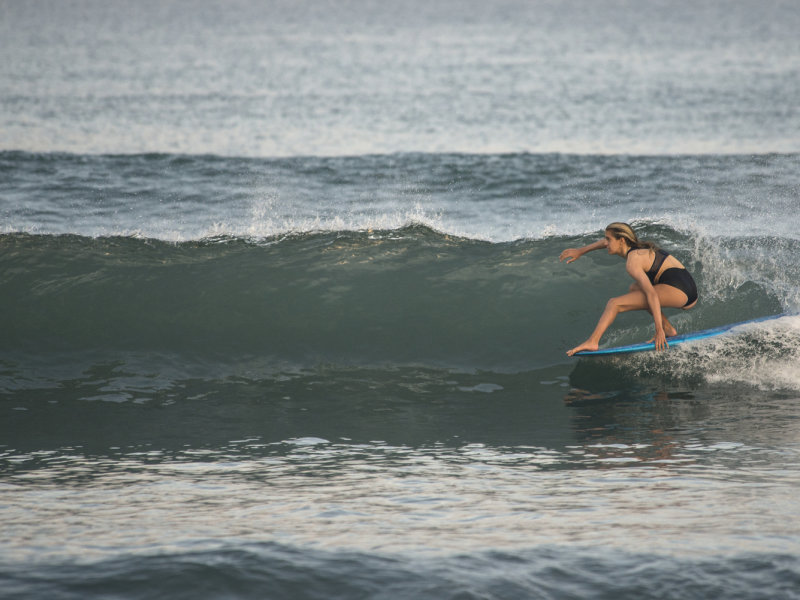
(615, 245)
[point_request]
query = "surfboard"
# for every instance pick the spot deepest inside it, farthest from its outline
(677, 340)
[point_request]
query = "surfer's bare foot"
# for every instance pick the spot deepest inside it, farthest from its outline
(669, 332)
(669, 329)
(587, 345)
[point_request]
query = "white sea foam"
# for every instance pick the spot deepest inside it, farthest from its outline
(763, 355)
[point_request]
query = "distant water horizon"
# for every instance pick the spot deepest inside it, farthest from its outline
(306, 78)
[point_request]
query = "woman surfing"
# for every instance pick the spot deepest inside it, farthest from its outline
(659, 281)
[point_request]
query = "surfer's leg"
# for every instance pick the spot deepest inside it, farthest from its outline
(634, 300)
(669, 328)
(668, 296)
(671, 297)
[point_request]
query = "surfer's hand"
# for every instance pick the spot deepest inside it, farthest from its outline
(570, 254)
(661, 340)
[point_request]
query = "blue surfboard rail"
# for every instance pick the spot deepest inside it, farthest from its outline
(678, 339)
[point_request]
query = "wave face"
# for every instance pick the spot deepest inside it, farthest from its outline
(409, 295)
(406, 296)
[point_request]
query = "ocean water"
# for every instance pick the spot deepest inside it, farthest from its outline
(282, 316)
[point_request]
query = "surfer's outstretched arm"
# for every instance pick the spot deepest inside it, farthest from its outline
(572, 254)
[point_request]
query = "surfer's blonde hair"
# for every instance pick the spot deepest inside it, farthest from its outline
(623, 230)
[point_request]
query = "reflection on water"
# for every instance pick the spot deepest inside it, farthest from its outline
(310, 491)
